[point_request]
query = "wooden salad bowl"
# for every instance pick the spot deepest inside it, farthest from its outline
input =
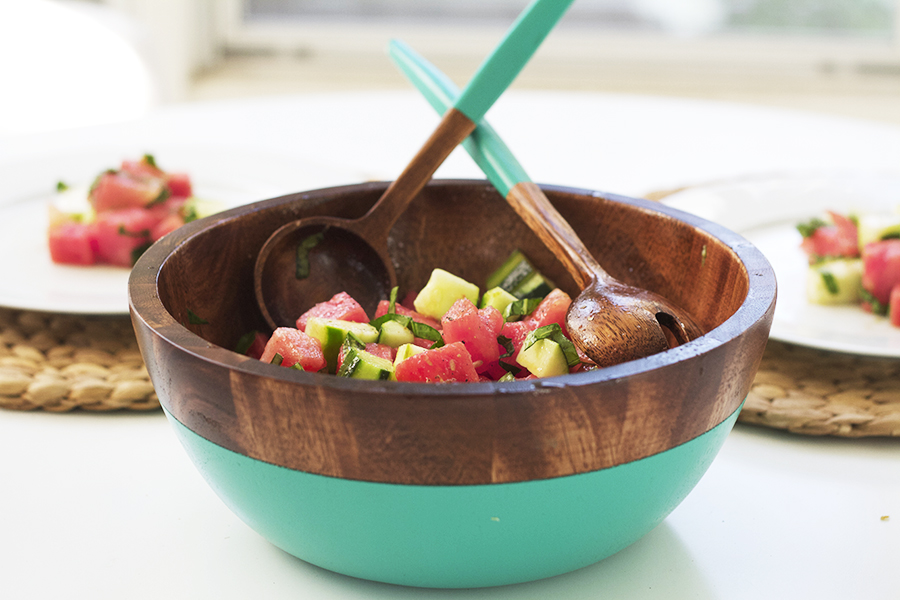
(467, 484)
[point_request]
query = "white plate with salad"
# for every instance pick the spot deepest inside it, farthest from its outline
(226, 177)
(766, 210)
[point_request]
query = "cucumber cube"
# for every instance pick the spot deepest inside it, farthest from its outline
(544, 358)
(441, 291)
(331, 334)
(359, 364)
(835, 282)
(498, 298)
(874, 227)
(394, 334)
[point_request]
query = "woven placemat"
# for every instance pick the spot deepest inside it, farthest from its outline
(59, 363)
(816, 392)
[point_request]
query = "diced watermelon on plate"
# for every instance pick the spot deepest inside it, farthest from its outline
(71, 243)
(120, 236)
(839, 240)
(116, 190)
(881, 268)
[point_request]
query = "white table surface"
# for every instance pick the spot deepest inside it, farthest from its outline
(109, 506)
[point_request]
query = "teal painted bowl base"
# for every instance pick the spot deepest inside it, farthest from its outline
(454, 536)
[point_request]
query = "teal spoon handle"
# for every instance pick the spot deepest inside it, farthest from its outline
(499, 69)
(485, 146)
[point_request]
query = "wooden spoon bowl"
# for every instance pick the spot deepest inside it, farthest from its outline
(458, 480)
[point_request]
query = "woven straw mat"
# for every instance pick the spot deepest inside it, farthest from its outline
(61, 362)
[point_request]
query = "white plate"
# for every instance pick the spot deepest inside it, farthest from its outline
(30, 280)
(766, 211)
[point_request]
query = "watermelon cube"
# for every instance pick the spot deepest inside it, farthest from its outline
(447, 364)
(294, 347)
(341, 307)
(552, 309)
(476, 328)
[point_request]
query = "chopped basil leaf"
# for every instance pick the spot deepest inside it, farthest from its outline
(303, 248)
(830, 283)
(137, 252)
(419, 330)
(190, 213)
(402, 319)
(193, 319)
(163, 196)
(554, 333)
(507, 346)
(426, 332)
(136, 234)
(245, 342)
(276, 360)
(297, 367)
(808, 228)
(510, 369)
(392, 305)
(520, 308)
(877, 307)
(150, 160)
(61, 186)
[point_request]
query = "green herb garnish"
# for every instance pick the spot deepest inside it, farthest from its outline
(162, 197)
(303, 248)
(150, 160)
(831, 283)
(135, 234)
(193, 319)
(138, 251)
(507, 346)
(511, 370)
(877, 307)
(245, 341)
(61, 186)
(808, 228)
(520, 308)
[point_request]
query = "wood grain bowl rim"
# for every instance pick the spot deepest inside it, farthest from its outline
(754, 312)
(754, 307)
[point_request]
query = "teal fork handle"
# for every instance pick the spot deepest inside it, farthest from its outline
(484, 145)
(502, 66)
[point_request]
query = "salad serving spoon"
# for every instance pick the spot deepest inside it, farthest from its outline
(353, 253)
(610, 321)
